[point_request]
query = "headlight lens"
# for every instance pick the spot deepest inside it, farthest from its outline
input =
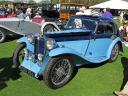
(50, 43)
(30, 38)
(40, 57)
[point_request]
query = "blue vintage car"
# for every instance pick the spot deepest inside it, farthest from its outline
(54, 55)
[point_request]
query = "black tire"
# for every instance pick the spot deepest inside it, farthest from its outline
(58, 72)
(18, 54)
(114, 53)
(2, 37)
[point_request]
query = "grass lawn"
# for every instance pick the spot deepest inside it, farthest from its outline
(99, 81)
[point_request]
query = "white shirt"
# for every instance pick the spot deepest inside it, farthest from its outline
(87, 12)
(80, 13)
(28, 11)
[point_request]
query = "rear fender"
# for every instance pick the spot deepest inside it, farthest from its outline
(117, 40)
(49, 23)
(29, 46)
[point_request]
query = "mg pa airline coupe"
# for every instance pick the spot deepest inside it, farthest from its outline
(54, 55)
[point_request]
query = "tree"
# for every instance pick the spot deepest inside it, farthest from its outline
(31, 1)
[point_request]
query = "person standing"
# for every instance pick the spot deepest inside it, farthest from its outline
(81, 11)
(106, 13)
(123, 92)
(121, 17)
(28, 12)
(84, 11)
(87, 11)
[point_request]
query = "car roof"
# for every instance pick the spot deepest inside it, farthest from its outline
(96, 18)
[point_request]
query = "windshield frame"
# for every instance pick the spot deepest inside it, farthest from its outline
(82, 19)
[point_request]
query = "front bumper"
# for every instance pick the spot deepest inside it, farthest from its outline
(30, 67)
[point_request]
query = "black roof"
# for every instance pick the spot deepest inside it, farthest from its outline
(97, 18)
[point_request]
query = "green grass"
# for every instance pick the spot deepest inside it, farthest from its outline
(100, 81)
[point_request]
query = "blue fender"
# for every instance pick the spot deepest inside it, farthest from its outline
(28, 44)
(115, 41)
(64, 51)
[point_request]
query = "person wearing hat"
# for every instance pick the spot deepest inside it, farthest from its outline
(81, 11)
(84, 11)
(87, 11)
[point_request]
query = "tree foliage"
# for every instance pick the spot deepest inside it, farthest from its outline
(85, 2)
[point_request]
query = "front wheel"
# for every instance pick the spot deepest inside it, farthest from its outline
(58, 72)
(18, 54)
(114, 53)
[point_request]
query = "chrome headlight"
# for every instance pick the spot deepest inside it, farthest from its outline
(50, 43)
(40, 57)
(31, 56)
(26, 52)
(30, 38)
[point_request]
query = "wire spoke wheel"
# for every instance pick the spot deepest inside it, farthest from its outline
(114, 53)
(19, 54)
(60, 71)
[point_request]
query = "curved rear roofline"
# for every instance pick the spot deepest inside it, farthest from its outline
(96, 18)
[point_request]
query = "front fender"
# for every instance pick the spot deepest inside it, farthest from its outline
(117, 40)
(65, 51)
(60, 51)
(29, 46)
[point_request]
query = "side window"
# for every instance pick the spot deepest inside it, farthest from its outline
(105, 28)
(109, 28)
(100, 29)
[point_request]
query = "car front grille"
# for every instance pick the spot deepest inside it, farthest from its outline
(39, 47)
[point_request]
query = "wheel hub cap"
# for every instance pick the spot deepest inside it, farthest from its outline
(60, 72)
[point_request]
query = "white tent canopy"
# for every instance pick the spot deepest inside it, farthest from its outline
(112, 4)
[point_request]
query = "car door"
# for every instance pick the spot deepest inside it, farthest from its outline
(100, 41)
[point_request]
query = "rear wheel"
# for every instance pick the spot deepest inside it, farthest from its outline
(58, 72)
(49, 28)
(18, 54)
(2, 37)
(114, 53)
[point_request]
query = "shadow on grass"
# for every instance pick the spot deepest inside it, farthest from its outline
(7, 72)
(93, 65)
(9, 38)
(124, 62)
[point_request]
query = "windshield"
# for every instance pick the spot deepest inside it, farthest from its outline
(81, 23)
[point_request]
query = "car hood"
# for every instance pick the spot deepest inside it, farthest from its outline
(68, 32)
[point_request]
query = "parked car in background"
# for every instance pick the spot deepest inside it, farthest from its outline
(67, 10)
(22, 26)
(55, 55)
(16, 27)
